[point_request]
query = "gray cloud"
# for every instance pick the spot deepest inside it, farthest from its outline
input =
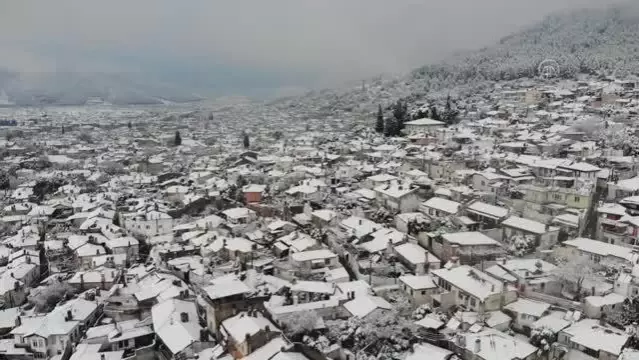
(328, 40)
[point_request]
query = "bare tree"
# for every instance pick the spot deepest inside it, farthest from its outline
(575, 270)
(46, 298)
(300, 323)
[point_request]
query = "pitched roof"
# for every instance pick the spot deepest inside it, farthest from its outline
(168, 325)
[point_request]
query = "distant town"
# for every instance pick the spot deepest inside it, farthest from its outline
(498, 226)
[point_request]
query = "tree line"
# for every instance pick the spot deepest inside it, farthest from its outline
(394, 124)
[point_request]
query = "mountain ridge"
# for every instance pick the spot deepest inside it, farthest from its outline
(594, 41)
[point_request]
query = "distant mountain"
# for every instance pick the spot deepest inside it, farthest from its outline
(595, 41)
(586, 41)
(67, 88)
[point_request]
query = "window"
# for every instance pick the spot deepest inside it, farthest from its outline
(473, 302)
(577, 198)
(327, 261)
(483, 183)
(423, 292)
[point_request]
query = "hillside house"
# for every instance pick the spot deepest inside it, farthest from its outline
(545, 235)
(416, 258)
(439, 207)
(590, 337)
(419, 288)
(469, 247)
(488, 216)
(246, 332)
(423, 125)
(396, 196)
(472, 289)
(253, 193)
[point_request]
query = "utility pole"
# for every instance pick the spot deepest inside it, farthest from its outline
(370, 270)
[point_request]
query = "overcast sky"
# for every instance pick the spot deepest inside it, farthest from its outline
(244, 43)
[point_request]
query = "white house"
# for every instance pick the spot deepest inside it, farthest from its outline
(596, 306)
(151, 223)
(423, 125)
(176, 325)
(416, 258)
(591, 338)
(545, 236)
(526, 312)
(314, 259)
(475, 290)
(398, 196)
(599, 251)
(439, 207)
(239, 215)
(419, 288)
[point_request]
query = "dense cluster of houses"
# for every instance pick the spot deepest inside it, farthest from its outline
(509, 235)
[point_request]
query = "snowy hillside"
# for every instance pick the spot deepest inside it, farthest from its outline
(589, 41)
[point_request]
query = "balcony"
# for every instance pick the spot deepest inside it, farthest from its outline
(616, 228)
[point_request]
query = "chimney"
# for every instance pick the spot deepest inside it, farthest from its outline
(389, 247)
(602, 320)
(502, 294)
(426, 264)
(547, 227)
(477, 346)
(69, 315)
(184, 317)
(18, 321)
(420, 269)
(454, 250)
(360, 221)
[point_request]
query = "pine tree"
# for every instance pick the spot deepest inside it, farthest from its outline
(400, 111)
(379, 125)
(433, 113)
(178, 139)
(450, 114)
(390, 127)
(246, 141)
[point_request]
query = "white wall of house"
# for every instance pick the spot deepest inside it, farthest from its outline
(148, 227)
